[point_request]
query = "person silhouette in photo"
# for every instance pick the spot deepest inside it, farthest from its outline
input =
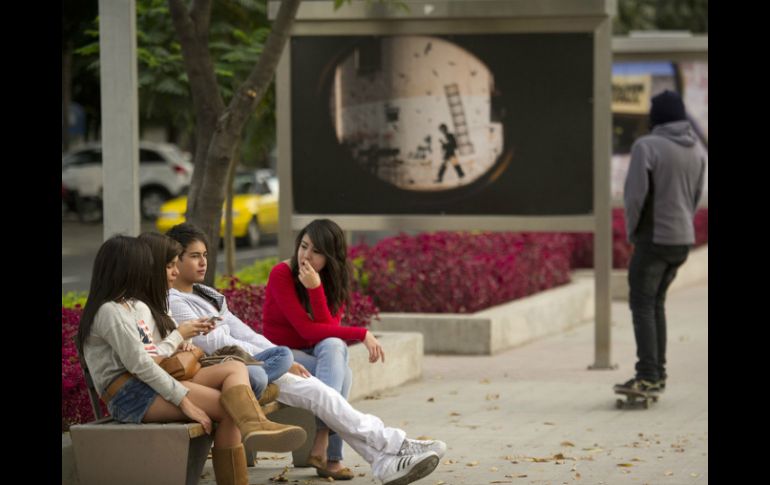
(449, 145)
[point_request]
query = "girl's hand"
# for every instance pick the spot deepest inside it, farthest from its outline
(195, 413)
(308, 276)
(299, 369)
(374, 348)
(193, 328)
(185, 346)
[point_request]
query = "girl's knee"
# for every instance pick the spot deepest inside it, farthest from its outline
(333, 344)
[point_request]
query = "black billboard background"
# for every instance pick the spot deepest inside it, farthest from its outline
(545, 82)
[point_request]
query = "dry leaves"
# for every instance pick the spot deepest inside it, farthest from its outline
(492, 397)
(567, 443)
(281, 477)
(472, 464)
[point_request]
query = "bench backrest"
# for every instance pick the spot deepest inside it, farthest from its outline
(92, 394)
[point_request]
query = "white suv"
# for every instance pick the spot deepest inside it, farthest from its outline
(164, 172)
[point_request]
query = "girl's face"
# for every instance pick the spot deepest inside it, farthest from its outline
(172, 272)
(308, 252)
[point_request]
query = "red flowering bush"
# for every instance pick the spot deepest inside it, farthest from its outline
(75, 404)
(459, 272)
(583, 243)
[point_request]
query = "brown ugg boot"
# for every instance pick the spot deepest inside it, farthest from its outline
(230, 466)
(257, 432)
(270, 394)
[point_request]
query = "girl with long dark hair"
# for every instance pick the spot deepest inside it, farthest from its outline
(304, 302)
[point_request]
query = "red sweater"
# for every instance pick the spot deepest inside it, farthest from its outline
(285, 321)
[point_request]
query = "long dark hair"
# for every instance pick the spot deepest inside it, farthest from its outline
(336, 275)
(122, 267)
(164, 250)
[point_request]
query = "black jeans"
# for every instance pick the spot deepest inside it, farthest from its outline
(650, 273)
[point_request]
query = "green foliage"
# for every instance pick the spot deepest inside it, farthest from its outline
(689, 15)
(72, 299)
(256, 274)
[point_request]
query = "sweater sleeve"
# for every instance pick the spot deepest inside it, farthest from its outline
(281, 288)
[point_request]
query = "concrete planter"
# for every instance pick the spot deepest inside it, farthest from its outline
(500, 327)
(403, 363)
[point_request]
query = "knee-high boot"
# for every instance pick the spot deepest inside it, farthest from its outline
(257, 432)
(230, 466)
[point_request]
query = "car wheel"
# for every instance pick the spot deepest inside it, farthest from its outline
(253, 235)
(151, 201)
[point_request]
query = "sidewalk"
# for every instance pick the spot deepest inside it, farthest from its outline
(535, 415)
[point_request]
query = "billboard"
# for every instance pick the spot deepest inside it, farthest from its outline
(498, 124)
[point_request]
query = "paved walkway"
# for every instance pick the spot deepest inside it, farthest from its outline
(536, 415)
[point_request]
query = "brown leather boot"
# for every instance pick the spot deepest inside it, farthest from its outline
(230, 466)
(270, 394)
(257, 432)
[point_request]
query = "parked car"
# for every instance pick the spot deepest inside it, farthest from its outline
(255, 208)
(164, 172)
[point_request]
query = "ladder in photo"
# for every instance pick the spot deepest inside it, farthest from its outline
(464, 145)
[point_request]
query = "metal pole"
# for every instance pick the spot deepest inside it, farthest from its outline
(602, 195)
(283, 128)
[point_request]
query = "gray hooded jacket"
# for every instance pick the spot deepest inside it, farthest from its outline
(663, 185)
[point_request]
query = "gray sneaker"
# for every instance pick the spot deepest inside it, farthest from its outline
(415, 447)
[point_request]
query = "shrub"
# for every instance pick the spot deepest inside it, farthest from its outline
(459, 272)
(75, 404)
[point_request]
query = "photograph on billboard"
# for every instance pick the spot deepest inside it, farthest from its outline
(495, 124)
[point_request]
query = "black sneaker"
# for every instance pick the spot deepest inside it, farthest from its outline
(638, 385)
(661, 385)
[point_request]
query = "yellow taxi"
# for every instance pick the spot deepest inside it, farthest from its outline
(255, 208)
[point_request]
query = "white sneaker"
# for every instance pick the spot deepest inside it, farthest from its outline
(415, 447)
(400, 470)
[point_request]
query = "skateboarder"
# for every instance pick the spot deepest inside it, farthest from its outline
(662, 190)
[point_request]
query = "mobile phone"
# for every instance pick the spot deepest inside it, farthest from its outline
(213, 319)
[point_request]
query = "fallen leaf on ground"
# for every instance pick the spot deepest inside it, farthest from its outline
(501, 481)
(454, 413)
(492, 397)
(548, 423)
(473, 463)
(567, 443)
(625, 464)
(493, 469)
(424, 438)
(484, 381)
(669, 474)
(694, 475)
(430, 399)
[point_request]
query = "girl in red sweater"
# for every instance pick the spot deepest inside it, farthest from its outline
(304, 302)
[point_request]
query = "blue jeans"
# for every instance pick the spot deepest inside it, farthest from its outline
(650, 273)
(276, 361)
(328, 361)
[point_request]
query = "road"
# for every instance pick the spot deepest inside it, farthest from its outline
(80, 242)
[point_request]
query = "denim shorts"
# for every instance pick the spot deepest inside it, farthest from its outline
(131, 402)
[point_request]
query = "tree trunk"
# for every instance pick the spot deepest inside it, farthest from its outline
(229, 238)
(218, 130)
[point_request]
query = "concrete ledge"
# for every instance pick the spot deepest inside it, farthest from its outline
(403, 363)
(500, 327)
(693, 271)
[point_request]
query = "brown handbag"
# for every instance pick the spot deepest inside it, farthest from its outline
(184, 364)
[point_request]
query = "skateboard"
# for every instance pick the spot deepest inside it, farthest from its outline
(634, 397)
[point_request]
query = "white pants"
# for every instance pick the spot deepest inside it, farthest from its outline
(365, 433)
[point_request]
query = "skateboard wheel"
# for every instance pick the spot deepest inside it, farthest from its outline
(619, 404)
(646, 404)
